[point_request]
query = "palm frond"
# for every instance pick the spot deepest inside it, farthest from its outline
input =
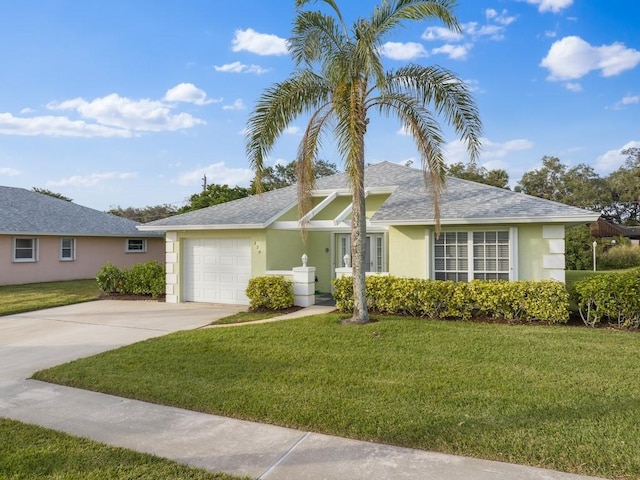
(449, 96)
(427, 134)
(277, 107)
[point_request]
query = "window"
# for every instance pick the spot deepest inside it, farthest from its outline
(136, 245)
(462, 256)
(25, 249)
(67, 249)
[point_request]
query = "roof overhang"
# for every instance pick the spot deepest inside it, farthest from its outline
(226, 226)
(570, 220)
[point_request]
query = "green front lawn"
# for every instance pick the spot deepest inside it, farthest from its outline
(33, 452)
(36, 296)
(566, 398)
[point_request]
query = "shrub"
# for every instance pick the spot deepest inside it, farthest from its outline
(271, 292)
(613, 298)
(110, 279)
(142, 279)
(620, 257)
(146, 279)
(545, 301)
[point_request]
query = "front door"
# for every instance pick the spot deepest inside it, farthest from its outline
(374, 251)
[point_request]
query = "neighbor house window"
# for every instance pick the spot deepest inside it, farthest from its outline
(136, 245)
(67, 249)
(464, 256)
(25, 249)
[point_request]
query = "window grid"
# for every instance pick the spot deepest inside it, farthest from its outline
(136, 245)
(67, 249)
(24, 250)
(460, 256)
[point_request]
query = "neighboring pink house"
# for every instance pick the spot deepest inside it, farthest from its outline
(44, 239)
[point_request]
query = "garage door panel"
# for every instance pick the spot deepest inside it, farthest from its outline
(216, 270)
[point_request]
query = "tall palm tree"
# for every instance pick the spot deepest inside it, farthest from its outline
(339, 79)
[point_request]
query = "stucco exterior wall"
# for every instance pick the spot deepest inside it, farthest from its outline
(408, 251)
(91, 254)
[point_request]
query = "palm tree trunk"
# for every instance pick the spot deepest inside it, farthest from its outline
(358, 242)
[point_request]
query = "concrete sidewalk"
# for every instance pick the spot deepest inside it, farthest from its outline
(208, 441)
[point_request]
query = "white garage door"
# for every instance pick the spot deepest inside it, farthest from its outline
(216, 270)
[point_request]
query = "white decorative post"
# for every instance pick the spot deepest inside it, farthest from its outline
(595, 244)
(345, 271)
(304, 284)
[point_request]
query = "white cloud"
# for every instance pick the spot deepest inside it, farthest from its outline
(502, 18)
(293, 130)
(630, 99)
(237, 105)
(473, 85)
(441, 33)
(455, 52)
(26, 111)
(613, 159)
(238, 67)
(491, 153)
(572, 57)
(403, 51)
(9, 172)
(188, 93)
(91, 180)
(56, 127)
(217, 173)
(260, 43)
(554, 6)
(573, 87)
(143, 115)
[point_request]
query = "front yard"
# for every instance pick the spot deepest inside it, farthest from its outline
(36, 296)
(553, 396)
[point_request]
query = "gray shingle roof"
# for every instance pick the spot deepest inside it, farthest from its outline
(462, 202)
(26, 212)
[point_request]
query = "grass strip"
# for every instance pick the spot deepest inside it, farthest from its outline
(565, 398)
(33, 452)
(36, 296)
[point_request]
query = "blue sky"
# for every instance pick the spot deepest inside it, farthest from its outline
(130, 102)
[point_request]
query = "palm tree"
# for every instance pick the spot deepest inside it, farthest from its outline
(339, 79)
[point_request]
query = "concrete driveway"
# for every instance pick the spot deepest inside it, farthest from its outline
(36, 340)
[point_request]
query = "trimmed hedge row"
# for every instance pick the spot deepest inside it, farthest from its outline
(142, 279)
(546, 301)
(612, 298)
(270, 292)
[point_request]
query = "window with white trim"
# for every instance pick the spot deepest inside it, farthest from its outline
(25, 249)
(463, 256)
(136, 245)
(67, 249)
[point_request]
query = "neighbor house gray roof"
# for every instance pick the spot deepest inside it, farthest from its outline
(409, 203)
(23, 212)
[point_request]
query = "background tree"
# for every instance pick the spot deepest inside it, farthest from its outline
(470, 171)
(214, 194)
(44, 191)
(547, 182)
(146, 214)
(624, 184)
(338, 79)
(579, 186)
(280, 176)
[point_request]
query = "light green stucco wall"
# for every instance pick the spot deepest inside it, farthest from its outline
(407, 251)
(285, 249)
(319, 253)
(531, 248)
